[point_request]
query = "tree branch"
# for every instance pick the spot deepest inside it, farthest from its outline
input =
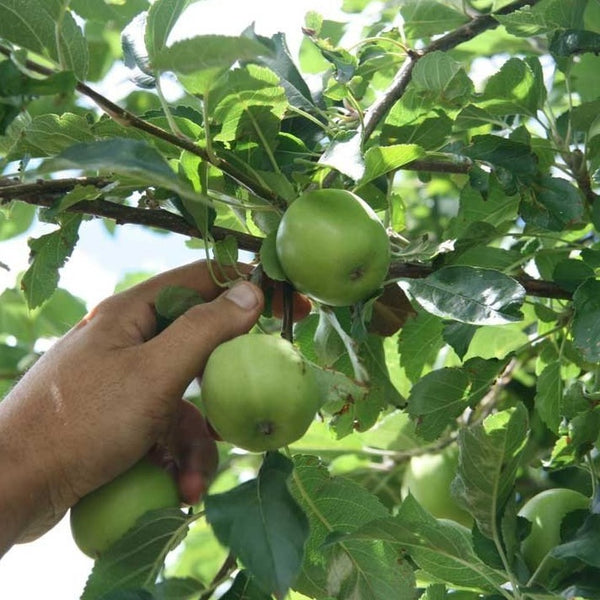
(576, 162)
(460, 35)
(45, 193)
(128, 119)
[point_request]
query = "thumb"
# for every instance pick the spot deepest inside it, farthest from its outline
(179, 353)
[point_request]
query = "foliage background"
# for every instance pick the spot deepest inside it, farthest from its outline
(101, 260)
(495, 212)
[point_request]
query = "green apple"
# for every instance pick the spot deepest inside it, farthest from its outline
(104, 515)
(428, 478)
(546, 511)
(332, 247)
(258, 392)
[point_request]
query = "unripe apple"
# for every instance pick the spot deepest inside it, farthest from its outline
(428, 478)
(546, 511)
(101, 517)
(333, 247)
(258, 392)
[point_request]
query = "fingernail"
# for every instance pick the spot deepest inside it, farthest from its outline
(243, 295)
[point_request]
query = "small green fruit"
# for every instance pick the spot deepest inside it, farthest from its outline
(104, 515)
(428, 478)
(332, 247)
(546, 511)
(259, 393)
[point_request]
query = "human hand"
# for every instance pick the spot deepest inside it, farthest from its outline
(107, 393)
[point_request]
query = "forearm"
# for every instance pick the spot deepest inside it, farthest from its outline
(28, 504)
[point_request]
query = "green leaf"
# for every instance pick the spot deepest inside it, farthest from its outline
(252, 107)
(263, 525)
(381, 391)
(128, 595)
(15, 218)
(419, 343)
(269, 259)
(495, 209)
(59, 313)
(436, 400)
(33, 24)
(468, 294)
(515, 157)
(350, 569)
(583, 73)
(135, 53)
(282, 64)
(120, 13)
(53, 319)
(515, 89)
(497, 341)
(207, 52)
(244, 588)
(162, 16)
(441, 548)
(13, 82)
(584, 546)
(423, 18)
(430, 133)
(132, 158)
(549, 391)
(544, 17)
(137, 558)
(226, 251)
(570, 273)
(10, 357)
(483, 375)
(435, 591)
(344, 63)
(573, 41)
(46, 135)
(586, 320)
(380, 160)
(525, 22)
(438, 78)
(458, 336)
(47, 254)
(489, 458)
(553, 203)
(344, 154)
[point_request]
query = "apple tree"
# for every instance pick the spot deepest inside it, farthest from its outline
(468, 132)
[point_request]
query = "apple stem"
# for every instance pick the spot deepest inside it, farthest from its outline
(360, 373)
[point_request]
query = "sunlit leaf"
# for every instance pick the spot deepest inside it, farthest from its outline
(33, 24)
(468, 294)
(136, 559)
(48, 254)
(489, 457)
